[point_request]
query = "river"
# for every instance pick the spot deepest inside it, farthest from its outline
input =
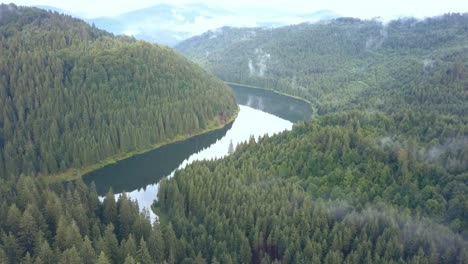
(261, 112)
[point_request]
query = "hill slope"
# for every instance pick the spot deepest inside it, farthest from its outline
(73, 95)
(334, 190)
(348, 63)
(379, 176)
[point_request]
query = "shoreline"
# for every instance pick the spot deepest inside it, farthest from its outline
(75, 174)
(312, 107)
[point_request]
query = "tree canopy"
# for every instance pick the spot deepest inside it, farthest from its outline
(72, 95)
(348, 64)
(377, 176)
(339, 189)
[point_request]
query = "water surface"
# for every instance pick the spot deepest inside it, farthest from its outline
(261, 112)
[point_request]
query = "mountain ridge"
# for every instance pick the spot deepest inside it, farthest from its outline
(169, 24)
(346, 59)
(74, 95)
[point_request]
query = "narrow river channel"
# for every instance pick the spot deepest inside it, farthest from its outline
(261, 112)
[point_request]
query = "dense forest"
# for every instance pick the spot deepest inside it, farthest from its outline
(57, 224)
(347, 63)
(72, 95)
(378, 175)
(337, 189)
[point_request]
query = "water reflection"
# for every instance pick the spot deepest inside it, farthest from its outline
(288, 108)
(249, 122)
(261, 112)
(141, 170)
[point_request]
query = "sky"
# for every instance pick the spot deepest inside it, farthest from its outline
(352, 8)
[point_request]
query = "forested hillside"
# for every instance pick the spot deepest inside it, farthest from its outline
(348, 63)
(53, 224)
(378, 176)
(72, 95)
(335, 190)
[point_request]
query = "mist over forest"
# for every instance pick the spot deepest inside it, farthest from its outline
(360, 153)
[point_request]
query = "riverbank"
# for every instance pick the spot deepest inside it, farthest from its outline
(75, 174)
(311, 105)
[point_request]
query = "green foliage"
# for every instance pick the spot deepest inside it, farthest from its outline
(349, 195)
(348, 64)
(72, 95)
(103, 259)
(47, 230)
(379, 177)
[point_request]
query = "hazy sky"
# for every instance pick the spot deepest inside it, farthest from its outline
(354, 8)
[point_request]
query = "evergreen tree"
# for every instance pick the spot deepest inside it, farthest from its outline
(156, 244)
(84, 86)
(231, 147)
(111, 243)
(109, 212)
(71, 256)
(129, 260)
(87, 252)
(143, 254)
(103, 259)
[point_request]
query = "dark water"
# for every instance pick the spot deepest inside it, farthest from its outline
(261, 112)
(288, 108)
(148, 168)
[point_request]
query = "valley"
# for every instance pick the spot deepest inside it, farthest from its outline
(340, 141)
(139, 176)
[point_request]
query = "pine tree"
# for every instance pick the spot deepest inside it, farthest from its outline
(230, 148)
(125, 217)
(128, 247)
(143, 254)
(199, 259)
(45, 253)
(12, 248)
(27, 259)
(71, 256)
(245, 251)
(87, 252)
(27, 230)
(130, 260)
(109, 212)
(170, 244)
(102, 259)
(111, 243)
(156, 244)
(13, 218)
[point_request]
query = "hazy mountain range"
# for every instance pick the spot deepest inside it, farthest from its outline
(169, 24)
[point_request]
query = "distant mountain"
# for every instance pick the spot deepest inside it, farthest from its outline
(53, 9)
(390, 137)
(59, 10)
(165, 24)
(272, 18)
(169, 24)
(347, 63)
(320, 15)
